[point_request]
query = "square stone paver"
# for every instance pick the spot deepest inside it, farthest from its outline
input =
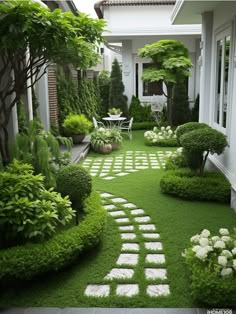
(132, 170)
(120, 273)
(147, 227)
(129, 205)
(106, 195)
(158, 290)
(117, 213)
(151, 235)
(103, 174)
(142, 219)
(136, 212)
(155, 258)
(122, 220)
(97, 291)
(127, 290)
(154, 246)
(127, 259)
(118, 200)
(128, 236)
(122, 174)
(130, 247)
(126, 228)
(155, 273)
(109, 207)
(109, 178)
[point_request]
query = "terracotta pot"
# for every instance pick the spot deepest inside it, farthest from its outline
(106, 149)
(77, 138)
(115, 146)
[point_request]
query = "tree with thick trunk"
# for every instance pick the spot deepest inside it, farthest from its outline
(31, 38)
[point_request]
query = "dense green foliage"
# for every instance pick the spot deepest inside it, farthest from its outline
(76, 124)
(21, 116)
(24, 262)
(74, 181)
(117, 98)
(67, 96)
(176, 160)
(41, 150)
(105, 140)
(143, 125)
(104, 83)
(171, 64)
(185, 184)
(27, 210)
(188, 127)
(33, 37)
(140, 113)
(181, 112)
(198, 144)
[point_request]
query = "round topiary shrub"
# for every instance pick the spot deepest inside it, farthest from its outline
(198, 144)
(188, 127)
(185, 184)
(74, 181)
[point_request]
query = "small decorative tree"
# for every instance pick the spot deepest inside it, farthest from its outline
(116, 97)
(198, 144)
(31, 37)
(171, 64)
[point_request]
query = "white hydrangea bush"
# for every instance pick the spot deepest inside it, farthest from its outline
(218, 251)
(157, 135)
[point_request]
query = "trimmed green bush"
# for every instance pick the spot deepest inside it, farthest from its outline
(185, 184)
(140, 113)
(176, 160)
(143, 125)
(188, 127)
(74, 181)
(198, 144)
(25, 262)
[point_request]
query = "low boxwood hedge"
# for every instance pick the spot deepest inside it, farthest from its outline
(185, 184)
(24, 262)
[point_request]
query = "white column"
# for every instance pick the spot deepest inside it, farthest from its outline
(44, 100)
(128, 68)
(205, 74)
(29, 91)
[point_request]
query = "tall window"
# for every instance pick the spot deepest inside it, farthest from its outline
(222, 79)
(151, 88)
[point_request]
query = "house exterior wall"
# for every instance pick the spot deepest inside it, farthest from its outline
(223, 19)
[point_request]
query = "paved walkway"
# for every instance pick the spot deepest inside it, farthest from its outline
(111, 311)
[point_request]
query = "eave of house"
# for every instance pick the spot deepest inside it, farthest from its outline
(190, 11)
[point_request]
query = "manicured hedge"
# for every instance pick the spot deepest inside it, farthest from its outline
(185, 184)
(143, 125)
(24, 262)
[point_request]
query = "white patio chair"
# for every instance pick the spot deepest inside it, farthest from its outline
(127, 126)
(98, 124)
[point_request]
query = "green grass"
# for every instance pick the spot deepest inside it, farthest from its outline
(176, 220)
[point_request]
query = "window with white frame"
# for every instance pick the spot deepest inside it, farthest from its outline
(223, 47)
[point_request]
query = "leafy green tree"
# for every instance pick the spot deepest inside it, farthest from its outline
(28, 29)
(117, 99)
(181, 111)
(171, 64)
(104, 83)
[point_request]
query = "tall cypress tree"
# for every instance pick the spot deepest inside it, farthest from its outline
(181, 111)
(116, 97)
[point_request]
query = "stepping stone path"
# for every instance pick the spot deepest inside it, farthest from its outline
(141, 255)
(110, 168)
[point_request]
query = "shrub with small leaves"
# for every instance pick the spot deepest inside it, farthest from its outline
(74, 181)
(188, 127)
(176, 160)
(27, 210)
(212, 262)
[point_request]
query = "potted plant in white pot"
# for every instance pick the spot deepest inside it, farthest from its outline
(114, 113)
(77, 126)
(100, 141)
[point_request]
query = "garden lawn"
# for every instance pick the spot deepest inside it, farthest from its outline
(176, 220)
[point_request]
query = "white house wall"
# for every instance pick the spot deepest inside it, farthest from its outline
(223, 16)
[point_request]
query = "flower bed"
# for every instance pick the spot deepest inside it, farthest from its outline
(164, 137)
(24, 262)
(212, 262)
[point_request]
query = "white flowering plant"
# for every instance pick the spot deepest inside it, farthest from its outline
(175, 160)
(212, 261)
(164, 136)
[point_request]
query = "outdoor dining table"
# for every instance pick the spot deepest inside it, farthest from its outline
(114, 121)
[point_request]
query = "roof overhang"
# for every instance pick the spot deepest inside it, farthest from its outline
(190, 11)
